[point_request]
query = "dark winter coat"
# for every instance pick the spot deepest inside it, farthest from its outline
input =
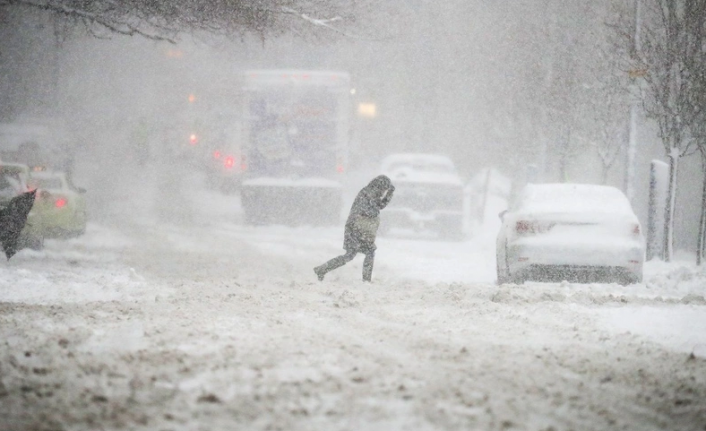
(364, 218)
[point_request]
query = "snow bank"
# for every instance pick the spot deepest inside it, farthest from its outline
(84, 269)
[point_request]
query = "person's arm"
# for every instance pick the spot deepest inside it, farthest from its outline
(372, 209)
(386, 197)
(366, 204)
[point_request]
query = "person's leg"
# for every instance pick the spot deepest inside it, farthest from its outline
(368, 265)
(334, 263)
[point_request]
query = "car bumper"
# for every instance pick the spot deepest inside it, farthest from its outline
(576, 262)
(403, 217)
(33, 226)
(57, 224)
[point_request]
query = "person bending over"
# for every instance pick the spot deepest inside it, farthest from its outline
(361, 227)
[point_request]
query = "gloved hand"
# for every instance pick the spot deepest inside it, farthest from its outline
(387, 195)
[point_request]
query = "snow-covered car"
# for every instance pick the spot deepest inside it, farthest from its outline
(428, 194)
(573, 232)
(60, 207)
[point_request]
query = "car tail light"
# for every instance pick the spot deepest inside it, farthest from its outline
(216, 154)
(229, 163)
(636, 230)
(193, 139)
(527, 227)
(339, 169)
(60, 203)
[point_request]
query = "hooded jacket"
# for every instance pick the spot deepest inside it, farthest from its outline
(364, 218)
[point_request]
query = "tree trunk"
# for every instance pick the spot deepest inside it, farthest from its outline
(702, 221)
(671, 205)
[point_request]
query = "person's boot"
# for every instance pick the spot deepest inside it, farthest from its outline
(368, 267)
(320, 272)
(332, 264)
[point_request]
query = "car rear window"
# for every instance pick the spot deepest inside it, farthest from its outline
(46, 183)
(575, 198)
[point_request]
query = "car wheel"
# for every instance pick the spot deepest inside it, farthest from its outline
(518, 279)
(32, 242)
(628, 280)
(253, 219)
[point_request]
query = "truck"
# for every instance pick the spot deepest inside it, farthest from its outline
(294, 146)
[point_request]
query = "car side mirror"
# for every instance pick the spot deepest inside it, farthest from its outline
(502, 214)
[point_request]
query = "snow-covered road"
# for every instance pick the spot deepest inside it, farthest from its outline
(211, 325)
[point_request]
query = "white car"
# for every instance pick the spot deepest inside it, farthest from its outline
(572, 232)
(428, 194)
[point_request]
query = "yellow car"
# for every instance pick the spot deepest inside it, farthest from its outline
(60, 207)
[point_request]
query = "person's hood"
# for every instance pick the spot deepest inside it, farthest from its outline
(380, 184)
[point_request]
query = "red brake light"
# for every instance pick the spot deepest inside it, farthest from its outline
(216, 154)
(60, 203)
(193, 139)
(524, 227)
(339, 169)
(230, 161)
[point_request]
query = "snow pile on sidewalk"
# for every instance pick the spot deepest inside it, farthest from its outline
(84, 269)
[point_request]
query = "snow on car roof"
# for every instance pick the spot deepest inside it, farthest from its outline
(569, 197)
(17, 166)
(420, 168)
(417, 158)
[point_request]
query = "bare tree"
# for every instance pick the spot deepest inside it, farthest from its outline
(608, 104)
(165, 19)
(667, 47)
(610, 128)
(700, 240)
(697, 68)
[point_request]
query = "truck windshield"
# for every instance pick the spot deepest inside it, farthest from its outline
(293, 130)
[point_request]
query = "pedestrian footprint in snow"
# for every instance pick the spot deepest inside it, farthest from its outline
(362, 226)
